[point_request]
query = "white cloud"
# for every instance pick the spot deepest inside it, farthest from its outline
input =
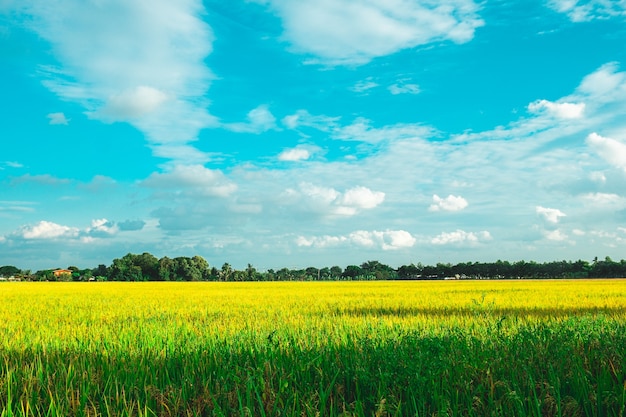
(181, 153)
(364, 85)
(16, 206)
(50, 231)
(294, 154)
(329, 201)
(57, 119)
(303, 118)
(385, 240)
(613, 151)
(583, 11)
(338, 32)
(598, 177)
(404, 88)
(361, 130)
(560, 110)
(606, 82)
(139, 61)
(362, 198)
(322, 194)
(450, 203)
(321, 241)
(607, 201)
(260, 120)
(461, 237)
(193, 180)
(396, 239)
(555, 235)
(102, 228)
(132, 103)
(47, 230)
(549, 214)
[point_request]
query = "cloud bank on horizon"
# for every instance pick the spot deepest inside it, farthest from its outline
(293, 134)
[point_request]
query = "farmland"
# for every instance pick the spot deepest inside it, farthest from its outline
(314, 348)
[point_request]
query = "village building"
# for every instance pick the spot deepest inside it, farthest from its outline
(59, 272)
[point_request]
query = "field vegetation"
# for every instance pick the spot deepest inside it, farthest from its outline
(382, 348)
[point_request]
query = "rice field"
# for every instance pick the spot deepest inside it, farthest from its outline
(454, 348)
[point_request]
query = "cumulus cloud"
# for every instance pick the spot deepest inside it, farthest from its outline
(320, 241)
(461, 237)
(102, 228)
(555, 235)
(132, 103)
(329, 201)
(385, 240)
(338, 32)
(192, 180)
(605, 83)
(54, 232)
(140, 62)
(260, 120)
(584, 11)
(362, 198)
(57, 119)
(611, 150)
(560, 110)
(47, 230)
(549, 214)
(450, 203)
(294, 154)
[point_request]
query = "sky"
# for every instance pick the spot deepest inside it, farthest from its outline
(287, 133)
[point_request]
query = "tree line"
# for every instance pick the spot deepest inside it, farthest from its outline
(147, 267)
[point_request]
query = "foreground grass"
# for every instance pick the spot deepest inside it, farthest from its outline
(360, 348)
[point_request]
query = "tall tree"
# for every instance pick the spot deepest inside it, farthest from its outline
(9, 271)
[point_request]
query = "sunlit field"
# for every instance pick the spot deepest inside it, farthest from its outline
(510, 348)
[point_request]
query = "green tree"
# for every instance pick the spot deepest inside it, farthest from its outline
(166, 269)
(203, 266)
(101, 271)
(352, 272)
(126, 269)
(226, 274)
(149, 266)
(378, 271)
(312, 274)
(410, 271)
(187, 270)
(9, 271)
(251, 273)
(335, 272)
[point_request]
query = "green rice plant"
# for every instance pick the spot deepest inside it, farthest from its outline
(362, 349)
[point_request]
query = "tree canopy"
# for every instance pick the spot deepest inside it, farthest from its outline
(147, 267)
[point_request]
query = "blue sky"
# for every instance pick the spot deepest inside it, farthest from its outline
(312, 133)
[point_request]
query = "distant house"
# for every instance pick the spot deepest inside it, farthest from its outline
(58, 272)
